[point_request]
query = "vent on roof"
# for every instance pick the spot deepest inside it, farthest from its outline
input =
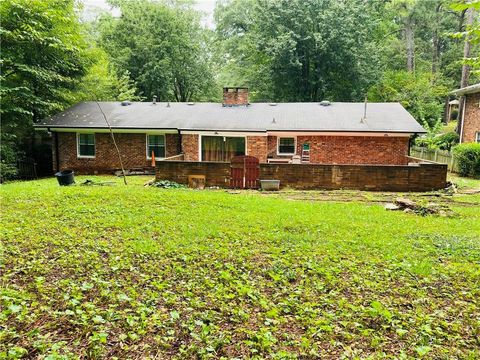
(126, 103)
(190, 103)
(272, 104)
(325, 103)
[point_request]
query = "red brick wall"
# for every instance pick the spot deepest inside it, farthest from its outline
(172, 145)
(272, 146)
(472, 118)
(132, 149)
(418, 177)
(257, 146)
(190, 147)
(326, 149)
(235, 96)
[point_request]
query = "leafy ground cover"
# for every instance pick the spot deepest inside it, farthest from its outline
(138, 272)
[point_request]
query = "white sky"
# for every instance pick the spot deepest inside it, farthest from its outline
(205, 6)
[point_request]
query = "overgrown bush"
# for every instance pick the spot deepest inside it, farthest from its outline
(447, 141)
(468, 157)
(7, 171)
(433, 139)
(428, 140)
(8, 157)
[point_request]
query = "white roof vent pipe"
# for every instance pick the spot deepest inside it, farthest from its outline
(363, 120)
(154, 102)
(325, 103)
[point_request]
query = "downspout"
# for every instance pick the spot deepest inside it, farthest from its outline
(464, 103)
(179, 147)
(57, 155)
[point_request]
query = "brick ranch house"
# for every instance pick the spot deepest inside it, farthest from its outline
(470, 117)
(315, 133)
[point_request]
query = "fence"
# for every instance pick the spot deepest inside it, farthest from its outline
(26, 169)
(439, 156)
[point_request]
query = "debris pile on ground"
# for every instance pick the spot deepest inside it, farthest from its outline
(131, 172)
(410, 206)
(450, 189)
(89, 182)
(166, 184)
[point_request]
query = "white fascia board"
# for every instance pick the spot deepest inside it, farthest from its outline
(222, 133)
(116, 131)
(336, 133)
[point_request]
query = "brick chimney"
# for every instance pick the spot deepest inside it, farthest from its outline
(235, 96)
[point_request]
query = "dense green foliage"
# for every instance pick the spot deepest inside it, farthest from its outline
(447, 140)
(311, 50)
(471, 32)
(162, 47)
(468, 157)
(47, 64)
(102, 82)
(438, 136)
(135, 272)
(298, 50)
(43, 52)
(414, 91)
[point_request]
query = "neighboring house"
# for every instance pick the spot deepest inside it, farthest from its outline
(318, 133)
(470, 116)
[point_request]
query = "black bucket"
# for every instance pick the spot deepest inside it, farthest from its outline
(65, 177)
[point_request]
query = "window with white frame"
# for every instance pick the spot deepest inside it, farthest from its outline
(86, 145)
(156, 146)
(286, 146)
(477, 137)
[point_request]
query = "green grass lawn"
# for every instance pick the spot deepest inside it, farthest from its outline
(135, 272)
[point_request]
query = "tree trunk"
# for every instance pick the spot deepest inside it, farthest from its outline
(436, 41)
(465, 68)
(467, 49)
(410, 42)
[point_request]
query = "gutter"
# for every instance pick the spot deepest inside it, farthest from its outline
(73, 129)
(472, 89)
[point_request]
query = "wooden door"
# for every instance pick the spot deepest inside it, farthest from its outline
(244, 172)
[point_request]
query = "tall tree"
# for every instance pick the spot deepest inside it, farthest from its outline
(470, 15)
(43, 53)
(102, 82)
(163, 48)
(471, 35)
(301, 50)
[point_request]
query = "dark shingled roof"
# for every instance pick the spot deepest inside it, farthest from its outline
(345, 117)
